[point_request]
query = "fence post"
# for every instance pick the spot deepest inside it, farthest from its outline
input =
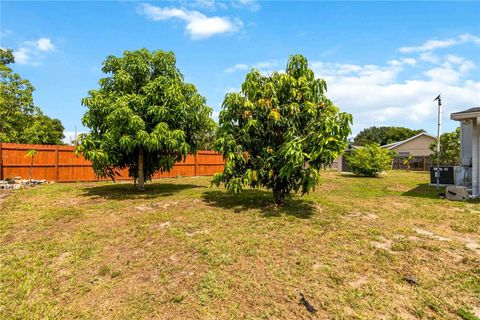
(1, 162)
(56, 163)
(196, 164)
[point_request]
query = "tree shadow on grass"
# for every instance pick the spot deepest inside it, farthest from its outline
(424, 190)
(427, 191)
(126, 191)
(259, 200)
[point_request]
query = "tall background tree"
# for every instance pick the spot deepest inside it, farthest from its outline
(20, 120)
(279, 131)
(144, 116)
(449, 148)
(383, 135)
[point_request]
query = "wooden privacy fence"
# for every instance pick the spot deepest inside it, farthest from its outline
(59, 163)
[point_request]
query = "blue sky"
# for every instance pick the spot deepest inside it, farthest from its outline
(384, 62)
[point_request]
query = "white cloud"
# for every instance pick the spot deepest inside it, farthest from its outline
(431, 45)
(385, 95)
(263, 66)
(429, 57)
(198, 25)
(465, 65)
(237, 67)
(45, 44)
(409, 61)
(30, 52)
(443, 74)
(397, 63)
(22, 55)
(249, 4)
(356, 74)
(205, 4)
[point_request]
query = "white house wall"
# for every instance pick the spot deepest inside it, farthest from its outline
(476, 157)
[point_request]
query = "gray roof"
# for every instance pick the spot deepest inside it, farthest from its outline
(466, 114)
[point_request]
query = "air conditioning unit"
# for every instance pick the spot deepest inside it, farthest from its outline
(447, 176)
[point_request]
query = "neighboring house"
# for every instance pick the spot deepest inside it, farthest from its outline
(416, 146)
(468, 173)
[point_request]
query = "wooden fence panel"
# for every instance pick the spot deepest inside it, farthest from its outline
(59, 163)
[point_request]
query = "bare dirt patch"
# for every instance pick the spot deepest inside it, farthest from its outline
(363, 215)
(383, 243)
(430, 234)
(471, 244)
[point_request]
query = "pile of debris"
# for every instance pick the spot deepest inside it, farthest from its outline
(18, 182)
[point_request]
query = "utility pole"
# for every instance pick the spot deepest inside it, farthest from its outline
(75, 137)
(439, 129)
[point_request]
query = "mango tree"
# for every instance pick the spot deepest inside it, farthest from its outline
(144, 116)
(279, 131)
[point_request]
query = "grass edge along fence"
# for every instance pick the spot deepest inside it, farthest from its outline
(59, 163)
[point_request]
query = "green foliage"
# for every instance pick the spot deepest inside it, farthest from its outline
(143, 112)
(207, 140)
(370, 160)
(31, 153)
(384, 135)
(21, 121)
(16, 101)
(467, 315)
(449, 148)
(279, 131)
(407, 161)
(44, 130)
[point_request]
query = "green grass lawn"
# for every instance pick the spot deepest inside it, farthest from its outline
(357, 248)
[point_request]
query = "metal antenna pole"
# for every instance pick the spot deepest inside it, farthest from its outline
(439, 129)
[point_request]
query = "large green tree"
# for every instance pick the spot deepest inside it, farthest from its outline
(449, 148)
(43, 130)
(279, 130)
(20, 120)
(16, 101)
(383, 135)
(144, 116)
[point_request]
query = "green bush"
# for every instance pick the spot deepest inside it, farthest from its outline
(369, 161)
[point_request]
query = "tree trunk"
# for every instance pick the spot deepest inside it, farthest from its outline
(278, 196)
(141, 177)
(31, 170)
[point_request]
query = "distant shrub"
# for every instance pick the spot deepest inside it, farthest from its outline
(369, 161)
